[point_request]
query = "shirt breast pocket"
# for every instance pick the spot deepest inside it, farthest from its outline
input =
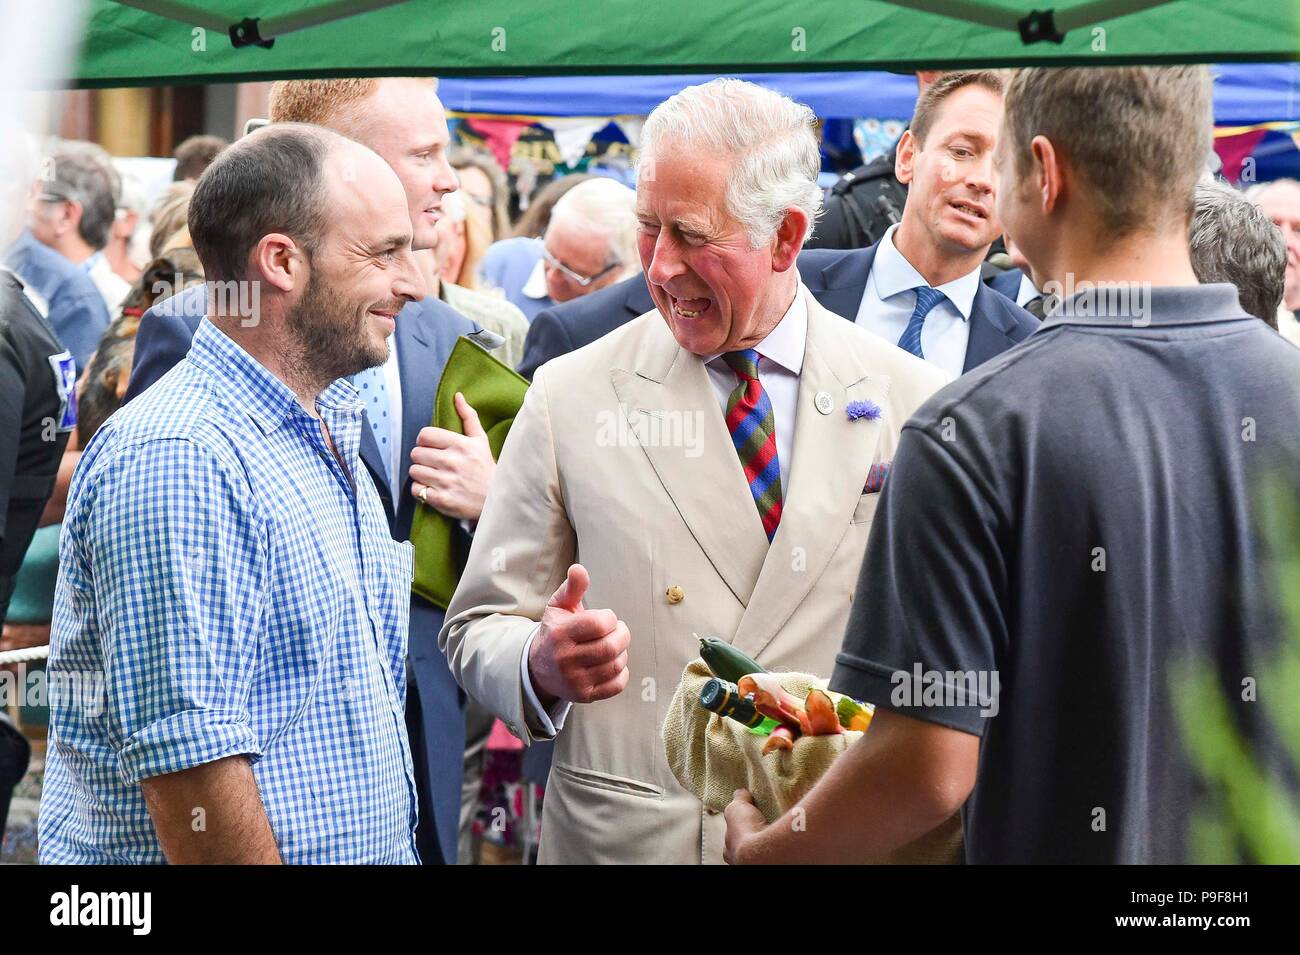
(865, 511)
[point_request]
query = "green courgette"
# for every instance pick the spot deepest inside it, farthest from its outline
(726, 662)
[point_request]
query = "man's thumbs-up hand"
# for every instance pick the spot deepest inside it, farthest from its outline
(579, 655)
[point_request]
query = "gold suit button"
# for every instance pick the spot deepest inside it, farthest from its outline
(675, 594)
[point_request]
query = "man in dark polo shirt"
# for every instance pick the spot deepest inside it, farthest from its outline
(1068, 525)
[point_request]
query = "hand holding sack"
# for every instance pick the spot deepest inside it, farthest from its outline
(777, 759)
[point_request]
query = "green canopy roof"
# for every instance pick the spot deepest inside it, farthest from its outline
(152, 42)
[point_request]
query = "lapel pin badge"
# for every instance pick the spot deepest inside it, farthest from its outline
(862, 409)
(824, 402)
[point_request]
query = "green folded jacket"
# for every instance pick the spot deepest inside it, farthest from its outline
(496, 392)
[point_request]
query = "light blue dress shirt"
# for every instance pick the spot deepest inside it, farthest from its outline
(889, 300)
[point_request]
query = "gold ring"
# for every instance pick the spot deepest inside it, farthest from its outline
(424, 492)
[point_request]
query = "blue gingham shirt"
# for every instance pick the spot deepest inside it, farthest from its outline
(234, 591)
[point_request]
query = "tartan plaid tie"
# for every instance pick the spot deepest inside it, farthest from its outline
(753, 432)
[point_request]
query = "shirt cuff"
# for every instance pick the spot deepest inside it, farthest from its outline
(185, 740)
(550, 723)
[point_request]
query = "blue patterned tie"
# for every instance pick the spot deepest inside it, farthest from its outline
(374, 392)
(926, 299)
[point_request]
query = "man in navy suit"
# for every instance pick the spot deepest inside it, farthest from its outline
(403, 121)
(923, 288)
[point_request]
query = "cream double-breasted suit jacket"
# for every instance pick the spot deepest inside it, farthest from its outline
(620, 459)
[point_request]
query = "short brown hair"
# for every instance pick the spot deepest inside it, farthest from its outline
(1137, 136)
(928, 103)
(337, 104)
(270, 181)
(195, 155)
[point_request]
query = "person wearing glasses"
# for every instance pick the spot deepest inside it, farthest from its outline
(62, 291)
(589, 244)
(74, 212)
(591, 240)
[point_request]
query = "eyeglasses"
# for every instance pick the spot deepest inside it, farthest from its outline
(52, 197)
(582, 281)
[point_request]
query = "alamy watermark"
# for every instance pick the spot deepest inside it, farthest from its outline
(66, 689)
(233, 298)
(76, 907)
(652, 429)
(1085, 299)
(950, 688)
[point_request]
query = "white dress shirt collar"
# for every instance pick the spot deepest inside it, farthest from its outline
(893, 274)
(536, 287)
(785, 343)
(1026, 291)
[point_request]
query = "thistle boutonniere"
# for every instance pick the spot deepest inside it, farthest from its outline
(862, 409)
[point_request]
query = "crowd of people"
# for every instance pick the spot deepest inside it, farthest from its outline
(1011, 428)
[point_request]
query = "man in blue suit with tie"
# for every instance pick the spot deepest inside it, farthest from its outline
(919, 286)
(402, 120)
(923, 288)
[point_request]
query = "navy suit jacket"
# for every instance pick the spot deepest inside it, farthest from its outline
(836, 278)
(568, 326)
(1008, 283)
(839, 279)
(426, 332)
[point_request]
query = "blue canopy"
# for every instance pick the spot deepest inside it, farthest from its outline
(1244, 93)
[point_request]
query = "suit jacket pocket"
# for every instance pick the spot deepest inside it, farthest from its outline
(866, 509)
(593, 779)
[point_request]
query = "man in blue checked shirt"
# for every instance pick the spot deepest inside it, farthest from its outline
(226, 571)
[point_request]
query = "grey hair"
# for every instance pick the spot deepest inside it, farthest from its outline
(84, 173)
(605, 207)
(1233, 241)
(770, 136)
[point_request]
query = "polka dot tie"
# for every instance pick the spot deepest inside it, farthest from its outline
(374, 392)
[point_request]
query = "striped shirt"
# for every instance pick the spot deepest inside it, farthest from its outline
(226, 587)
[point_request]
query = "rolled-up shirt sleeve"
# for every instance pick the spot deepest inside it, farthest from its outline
(179, 557)
(928, 625)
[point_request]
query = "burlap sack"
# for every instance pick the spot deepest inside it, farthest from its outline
(712, 757)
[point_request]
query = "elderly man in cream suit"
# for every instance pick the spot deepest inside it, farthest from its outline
(713, 465)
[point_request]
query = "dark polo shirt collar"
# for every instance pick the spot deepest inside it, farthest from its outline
(1116, 305)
